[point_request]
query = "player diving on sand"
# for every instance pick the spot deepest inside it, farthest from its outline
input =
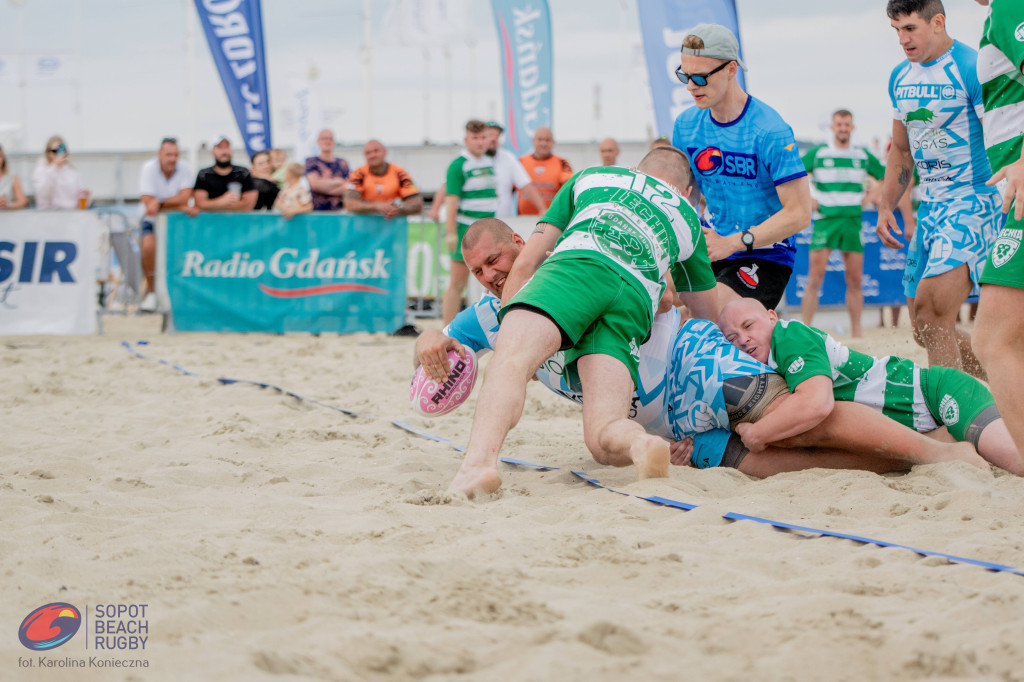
(692, 384)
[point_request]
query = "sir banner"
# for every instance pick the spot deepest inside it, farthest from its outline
(262, 273)
(48, 267)
(234, 30)
(524, 38)
(663, 24)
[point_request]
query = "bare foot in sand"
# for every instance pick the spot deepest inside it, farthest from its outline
(472, 480)
(650, 456)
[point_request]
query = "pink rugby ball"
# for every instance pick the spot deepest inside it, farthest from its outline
(433, 398)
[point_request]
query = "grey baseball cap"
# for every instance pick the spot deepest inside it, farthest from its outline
(719, 43)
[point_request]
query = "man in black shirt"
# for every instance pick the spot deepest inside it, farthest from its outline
(224, 186)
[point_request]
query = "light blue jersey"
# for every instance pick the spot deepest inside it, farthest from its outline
(701, 362)
(738, 165)
(940, 104)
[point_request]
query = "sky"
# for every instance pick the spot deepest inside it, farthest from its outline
(122, 74)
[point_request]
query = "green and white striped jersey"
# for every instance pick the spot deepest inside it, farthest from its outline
(838, 177)
(891, 385)
(472, 180)
(637, 224)
(1000, 56)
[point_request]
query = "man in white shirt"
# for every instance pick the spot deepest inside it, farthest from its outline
(165, 184)
(509, 175)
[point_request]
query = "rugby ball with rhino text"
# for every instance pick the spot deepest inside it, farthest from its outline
(434, 399)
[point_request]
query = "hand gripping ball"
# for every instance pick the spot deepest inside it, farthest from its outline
(433, 398)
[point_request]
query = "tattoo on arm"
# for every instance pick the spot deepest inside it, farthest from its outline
(539, 229)
(904, 177)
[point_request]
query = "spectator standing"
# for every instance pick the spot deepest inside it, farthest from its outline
(609, 151)
(12, 195)
(224, 186)
(263, 180)
(747, 167)
(840, 173)
(471, 195)
(381, 187)
(295, 198)
(547, 172)
(327, 175)
(165, 184)
(509, 175)
(998, 332)
(937, 106)
(55, 181)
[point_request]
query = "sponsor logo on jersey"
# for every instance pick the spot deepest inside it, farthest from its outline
(1018, 32)
(934, 91)
(748, 275)
(949, 410)
(1006, 246)
(713, 161)
(795, 366)
(923, 114)
(933, 165)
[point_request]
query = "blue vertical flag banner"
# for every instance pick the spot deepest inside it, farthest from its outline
(662, 25)
(320, 272)
(524, 38)
(234, 30)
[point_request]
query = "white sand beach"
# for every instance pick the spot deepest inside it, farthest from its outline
(275, 539)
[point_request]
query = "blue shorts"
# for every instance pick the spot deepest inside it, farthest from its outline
(950, 234)
(147, 226)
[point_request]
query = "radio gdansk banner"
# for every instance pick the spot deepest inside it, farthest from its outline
(262, 273)
(48, 264)
(234, 30)
(524, 38)
(663, 24)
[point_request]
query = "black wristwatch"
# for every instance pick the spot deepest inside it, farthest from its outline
(747, 237)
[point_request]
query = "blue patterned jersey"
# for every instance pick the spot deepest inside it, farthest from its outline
(940, 104)
(738, 165)
(701, 361)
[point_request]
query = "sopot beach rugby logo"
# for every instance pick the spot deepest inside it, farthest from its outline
(49, 626)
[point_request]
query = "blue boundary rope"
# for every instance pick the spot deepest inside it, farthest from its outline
(664, 501)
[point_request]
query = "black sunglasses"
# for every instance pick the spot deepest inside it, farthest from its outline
(699, 79)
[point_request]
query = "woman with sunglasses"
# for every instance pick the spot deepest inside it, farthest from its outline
(11, 193)
(56, 182)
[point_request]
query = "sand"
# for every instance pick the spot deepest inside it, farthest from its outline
(275, 539)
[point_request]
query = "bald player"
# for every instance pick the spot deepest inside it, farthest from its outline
(819, 370)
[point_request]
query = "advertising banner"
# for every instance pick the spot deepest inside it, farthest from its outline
(662, 26)
(524, 38)
(234, 30)
(262, 273)
(48, 266)
(883, 270)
